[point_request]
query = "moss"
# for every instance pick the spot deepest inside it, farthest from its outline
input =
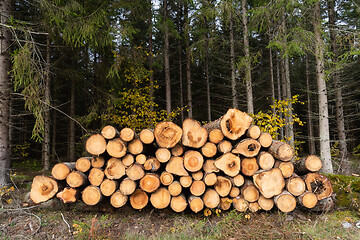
(347, 189)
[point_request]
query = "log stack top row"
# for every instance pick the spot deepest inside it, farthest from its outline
(227, 162)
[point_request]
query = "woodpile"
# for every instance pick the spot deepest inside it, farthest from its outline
(223, 164)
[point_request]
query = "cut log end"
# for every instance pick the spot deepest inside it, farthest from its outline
(91, 195)
(282, 151)
(193, 161)
(108, 187)
(269, 183)
(76, 179)
(211, 198)
(196, 204)
(150, 182)
(116, 148)
(61, 170)
(235, 123)
(118, 199)
(216, 136)
(109, 132)
(178, 203)
(253, 132)
(95, 144)
(42, 189)
(139, 199)
(229, 164)
(135, 147)
(97, 162)
(127, 134)
(167, 134)
(308, 199)
(247, 147)
(176, 166)
(127, 186)
(285, 202)
(146, 136)
(161, 198)
(83, 164)
(67, 195)
(115, 169)
(249, 166)
(166, 178)
(96, 176)
(193, 135)
(265, 139)
(319, 184)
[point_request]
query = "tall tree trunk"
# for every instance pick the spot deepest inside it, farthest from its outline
(232, 61)
(208, 99)
(47, 102)
(72, 123)
(278, 81)
(188, 61)
(249, 94)
(310, 128)
(181, 80)
(322, 94)
(151, 58)
(272, 80)
(166, 60)
(340, 123)
(4, 95)
(54, 134)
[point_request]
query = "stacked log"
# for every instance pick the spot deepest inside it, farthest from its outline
(225, 163)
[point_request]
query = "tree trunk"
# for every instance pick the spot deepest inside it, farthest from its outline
(278, 81)
(5, 161)
(207, 78)
(72, 122)
(180, 30)
(310, 128)
(322, 94)
(249, 94)
(272, 83)
(166, 60)
(188, 61)
(151, 57)
(340, 122)
(232, 62)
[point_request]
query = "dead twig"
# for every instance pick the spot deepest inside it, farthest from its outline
(66, 222)
(31, 214)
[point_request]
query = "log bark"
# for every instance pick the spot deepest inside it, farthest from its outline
(285, 202)
(161, 198)
(209, 166)
(76, 179)
(318, 184)
(135, 172)
(43, 188)
(240, 204)
(229, 164)
(225, 203)
(253, 132)
(197, 188)
(68, 195)
(211, 198)
(325, 205)
(109, 132)
(175, 188)
(140, 159)
(197, 175)
(196, 204)
(135, 147)
(95, 144)
(163, 155)
(127, 134)
(307, 199)
(281, 151)
(224, 146)
(265, 203)
(209, 150)
(166, 178)
(193, 135)
(265, 139)
(167, 134)
(178, 203)
(216, 136)
(96, 176)
(223, 186)
(193, 161)
(83, 164)
(91, 195)
(185, 181)
(97, 162)
(139, 199)
(152, 164)
(61, 170)
(147, 136)
(118, 199)
(307, 164)
(249, 166)
(176, 166)
(116, 148)
(115, 169)
(210, 179)
(295, 185)
(269, 183)
(177, 150)
(247, 147)
(265, 160)
(150, 182)
(108, 187)
(127, 186)
(287, 168)
(249, 191)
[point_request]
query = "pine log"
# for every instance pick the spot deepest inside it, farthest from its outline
(269, 183)
(295, 185)
(265, 204)
(240, 204)
(209, 149)
(68, 195)
(139, 199)
(210, 179)
(97, 162)
(95, 144)
(224, 146)
(178, 203)
(225, 203)
(324, 205)
(223, 186)
(96, 176)
(140, 159)
(83, 164)
(253, 132)
(238, 180)
(177, 150)
(233, 124)
(175, 188)
(319, 184)
(287, 168)
(307, 199)
(115, 169)
(152, 164)
(265, 139)
(135, 172)
(161, 198)
(216, 136)
(43, 188)
(193, 135)
(281, 151)
(176, 166)
(254, 207)
(167, 134)
(247, 147)
(234, 192)
(249, 191)
(127, 186)
(150, 182)
(197, 175)
(307, 164)
(76, 179)
(61, 170)
(127, 134)
(193, 161)
(91, 195)
(108, 187)
(285, 202)
(211, 198)
(185, 181)
(118, 199)
(229, 164)
(135, 147)
(163, 155)
(196, 204)
(109, 132)
(249, 166)
(147, 136)
(197, 188)
(128, 160)
(265, 160)
(116, 148)
(209, 166)
(166, 178)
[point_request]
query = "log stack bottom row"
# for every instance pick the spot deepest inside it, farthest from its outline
(223, 164)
